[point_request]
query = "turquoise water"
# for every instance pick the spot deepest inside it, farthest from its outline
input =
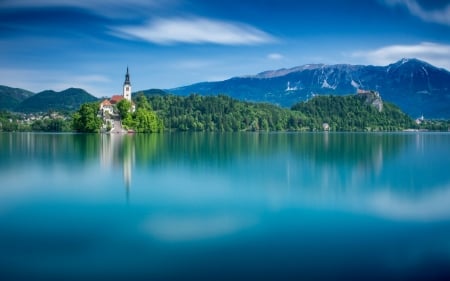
(242, 206)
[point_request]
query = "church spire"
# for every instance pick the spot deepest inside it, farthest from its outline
(127, 78)
(127, 87)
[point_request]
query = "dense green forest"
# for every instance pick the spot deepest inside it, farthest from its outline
(143, 120)
(219, 113)
(86, 120)
(222, 113)
(156, 113)
(352, 113)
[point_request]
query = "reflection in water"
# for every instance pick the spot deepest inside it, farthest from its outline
(325, 167)
(119, 149)
(321, 166)
(266, 206)
(347, 170)
(183, 227)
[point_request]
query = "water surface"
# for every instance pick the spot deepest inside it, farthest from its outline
(281, 206)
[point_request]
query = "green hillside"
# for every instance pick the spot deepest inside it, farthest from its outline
(12, 97)
(151, 92)
(352, 113)
(67, 100)
(222, 113)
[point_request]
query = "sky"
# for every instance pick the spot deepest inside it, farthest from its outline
(57, 44)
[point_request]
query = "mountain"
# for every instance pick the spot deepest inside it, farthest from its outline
(67, 100)
(415, 86)
(151, 92)
(364, 111)
(11, 97)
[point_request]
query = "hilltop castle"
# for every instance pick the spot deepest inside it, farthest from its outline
(106, 106)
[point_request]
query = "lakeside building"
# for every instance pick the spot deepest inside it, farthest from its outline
(107, 105)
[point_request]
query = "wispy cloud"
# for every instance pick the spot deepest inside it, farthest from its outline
(195, 30)
(441, 16)
(185, 228)
(275, 56)
(436, 54)
(430, 207)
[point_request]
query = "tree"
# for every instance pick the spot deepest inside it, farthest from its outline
(86, 120)
(128, 122)
(147, 122)
(144, 120)
(142, 102)
(124, 107)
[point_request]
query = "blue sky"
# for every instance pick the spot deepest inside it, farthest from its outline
(56, 44)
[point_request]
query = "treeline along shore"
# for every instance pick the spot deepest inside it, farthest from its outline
(160, 113)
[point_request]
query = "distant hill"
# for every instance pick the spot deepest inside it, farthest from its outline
(12, 97)
(415, 86)
(361, 112)
(151, 92)
(67, 100)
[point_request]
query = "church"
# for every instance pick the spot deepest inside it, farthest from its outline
(107, 106)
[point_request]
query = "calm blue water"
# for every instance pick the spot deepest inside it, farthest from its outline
(241, 206)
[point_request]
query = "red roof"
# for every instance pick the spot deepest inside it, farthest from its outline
(115, 99)
(106, 103)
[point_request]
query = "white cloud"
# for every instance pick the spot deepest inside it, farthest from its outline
(436, 54)
(432, 206)
(275, 56)
(195, 30)
(438, 16)
(185, 228)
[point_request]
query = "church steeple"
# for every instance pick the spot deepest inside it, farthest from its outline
(127, 78)
(127, 86)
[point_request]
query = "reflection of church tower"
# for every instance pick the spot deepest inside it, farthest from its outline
(117, 151)
(127, 87)
(128, 160)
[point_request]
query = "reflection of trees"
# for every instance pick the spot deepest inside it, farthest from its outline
(48, 149)
(350, 149)
(424, 165)
(327, 161)
(198, 149)
(222, 149)
(331, 162)
(397, 161)
(74, 151)
(340, 164)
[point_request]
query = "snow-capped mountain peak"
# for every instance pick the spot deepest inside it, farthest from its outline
(415, 86)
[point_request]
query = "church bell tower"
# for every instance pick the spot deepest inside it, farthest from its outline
(127, 87)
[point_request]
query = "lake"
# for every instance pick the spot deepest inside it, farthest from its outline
(231, 206)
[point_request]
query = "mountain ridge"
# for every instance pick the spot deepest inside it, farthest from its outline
(66, 100)
(11, 97)
(416, 86)
(285, 71)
